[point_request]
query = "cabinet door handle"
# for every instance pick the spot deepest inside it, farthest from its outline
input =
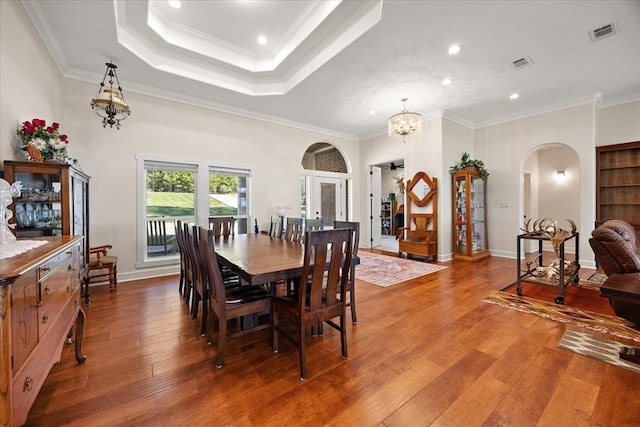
(45, 268)
(47, 290)
(45, 318)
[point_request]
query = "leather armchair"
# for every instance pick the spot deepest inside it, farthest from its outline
(615, 247)
(617, 253)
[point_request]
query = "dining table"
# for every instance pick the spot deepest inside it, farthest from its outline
(260, 258)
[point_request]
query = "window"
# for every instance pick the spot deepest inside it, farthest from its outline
(188, 191)
(228, 195)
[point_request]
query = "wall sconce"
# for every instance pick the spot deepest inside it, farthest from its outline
(560, 176)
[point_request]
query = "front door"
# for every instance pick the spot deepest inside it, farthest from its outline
(328, 200)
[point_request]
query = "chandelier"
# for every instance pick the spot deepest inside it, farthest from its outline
(109, 102)
(405, 123)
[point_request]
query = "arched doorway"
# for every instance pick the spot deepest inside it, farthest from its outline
(325, 184)
(550, 187)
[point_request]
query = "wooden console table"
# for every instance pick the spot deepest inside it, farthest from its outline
(39, 305)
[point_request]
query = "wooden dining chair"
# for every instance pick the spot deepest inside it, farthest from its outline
(294, 230)
(199, 283)
(275, 227)
(101, 266)
(351, 288)
(227, 303)
(311, 305)
(222, 226)
(177, 226)
(313, 224)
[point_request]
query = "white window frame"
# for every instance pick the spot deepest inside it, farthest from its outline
(201, 196)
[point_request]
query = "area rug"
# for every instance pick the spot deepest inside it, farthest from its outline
(385, 270)
(597, 278)
(596, 348)
(589, 319)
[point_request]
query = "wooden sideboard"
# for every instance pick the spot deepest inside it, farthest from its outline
(39, 305)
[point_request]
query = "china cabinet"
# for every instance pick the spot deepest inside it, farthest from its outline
(54, 200)
(470, 215)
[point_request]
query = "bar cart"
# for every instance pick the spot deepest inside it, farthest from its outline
(568, 271)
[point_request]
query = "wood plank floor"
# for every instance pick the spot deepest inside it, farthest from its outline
(424, 352)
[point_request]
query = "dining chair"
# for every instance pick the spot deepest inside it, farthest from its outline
(199, 284)
(227, 303)
(294, 230)
(351, 283)
(222, 226)
(275, 227)
(310, 304)
(177, 226)
(313, 224)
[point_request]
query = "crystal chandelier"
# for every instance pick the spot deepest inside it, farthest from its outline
(405, 123)
(109, 102)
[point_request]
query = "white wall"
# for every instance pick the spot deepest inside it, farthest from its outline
(30, 83)
(618, 124)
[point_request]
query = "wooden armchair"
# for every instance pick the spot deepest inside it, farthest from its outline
(101, 265)
(420, 235)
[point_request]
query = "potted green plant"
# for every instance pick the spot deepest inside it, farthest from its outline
(466, 162)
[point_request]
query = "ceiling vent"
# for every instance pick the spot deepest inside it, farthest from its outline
(602, 32)
(522, 62)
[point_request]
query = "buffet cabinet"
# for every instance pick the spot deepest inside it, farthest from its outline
(470, 215)
(39, 312)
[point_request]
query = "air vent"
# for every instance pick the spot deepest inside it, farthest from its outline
(522, 62)
(602, 32)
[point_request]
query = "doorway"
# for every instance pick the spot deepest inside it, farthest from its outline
(385, 198)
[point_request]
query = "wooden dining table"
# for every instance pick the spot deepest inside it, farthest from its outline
(260, 258)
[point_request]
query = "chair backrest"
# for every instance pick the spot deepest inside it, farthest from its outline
(614, 244)
(177, 226)
(294, 229)
(331, 249)
(313, 224)
(275, 227)
(191, 233)
(222, 226)
(157, 237)
(355, 228)
(211, 270)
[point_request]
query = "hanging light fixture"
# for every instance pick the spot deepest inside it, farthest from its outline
(405, 123)
(109, 102)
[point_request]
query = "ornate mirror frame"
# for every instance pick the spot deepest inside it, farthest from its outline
(421, 188)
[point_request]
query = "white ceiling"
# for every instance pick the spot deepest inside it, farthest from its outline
(327, 64)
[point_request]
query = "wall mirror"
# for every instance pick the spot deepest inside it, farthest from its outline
(421, 188)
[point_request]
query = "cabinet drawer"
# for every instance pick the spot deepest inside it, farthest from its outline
(24, 318)
(55, 290)
(50, 266)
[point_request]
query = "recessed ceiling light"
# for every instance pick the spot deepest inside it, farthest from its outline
(447, 81)
(372, 112)
(262, 39)
(176, 4)
(514, 96)
(454, 48)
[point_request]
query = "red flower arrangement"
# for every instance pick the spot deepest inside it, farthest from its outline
(42, 142)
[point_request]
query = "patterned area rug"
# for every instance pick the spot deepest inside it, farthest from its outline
(563, 313)
(597, 278)
(597, 348)
(384, 270)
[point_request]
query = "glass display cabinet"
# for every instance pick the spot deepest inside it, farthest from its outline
(470, 216)
(54, 200)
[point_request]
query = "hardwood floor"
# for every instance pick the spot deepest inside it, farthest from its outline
(424, 352)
